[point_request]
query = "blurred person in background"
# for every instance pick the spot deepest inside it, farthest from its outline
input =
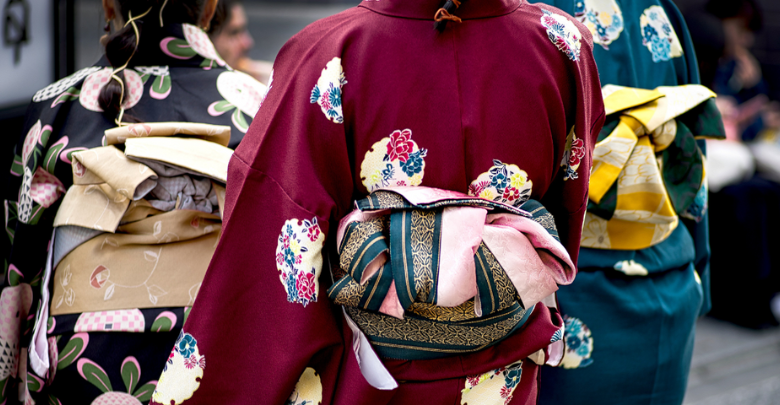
(744, 172)
(233, 41)
(631, 312)
(152, 71)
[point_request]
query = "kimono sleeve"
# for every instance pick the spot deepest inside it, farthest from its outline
(262, 317)
(567, 197)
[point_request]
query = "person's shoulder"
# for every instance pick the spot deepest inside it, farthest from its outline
(66, 83)
(565, 31)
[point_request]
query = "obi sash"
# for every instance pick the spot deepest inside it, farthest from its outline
(647, 167)
(428, 273)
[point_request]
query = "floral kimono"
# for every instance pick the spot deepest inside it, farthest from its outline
(632, 310)
(175, 75)
(504, 106)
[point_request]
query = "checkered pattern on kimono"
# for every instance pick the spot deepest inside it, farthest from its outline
(153, 70)
(91, 88)
(45, 188)
(60, 86)
(111, 321)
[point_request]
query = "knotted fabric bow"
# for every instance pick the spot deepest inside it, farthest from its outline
(647, 167)
(429, 257)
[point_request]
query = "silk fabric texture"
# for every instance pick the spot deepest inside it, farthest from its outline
(337, 105)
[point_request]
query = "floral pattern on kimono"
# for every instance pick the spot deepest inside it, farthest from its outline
(242, 95)
(394, 161)
(658, 35)
(161, 87)
(327, 91)
(308, 389)
(299, 261)
(94, 83)
(195, 42)
(494, 387)
(503, 183)
(131, 374)
(579, 344)
(563, 33)
(572, 156)
(182, 372)
(603, 18)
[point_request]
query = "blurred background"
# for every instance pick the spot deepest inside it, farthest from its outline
(737, 353)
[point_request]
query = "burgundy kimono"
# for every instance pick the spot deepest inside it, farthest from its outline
(505, 105)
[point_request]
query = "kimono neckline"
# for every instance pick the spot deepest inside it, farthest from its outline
(176, 44)
(426, 9)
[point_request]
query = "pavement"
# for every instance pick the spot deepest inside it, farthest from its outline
(731, 365)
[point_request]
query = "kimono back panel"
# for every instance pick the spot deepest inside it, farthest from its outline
(505, 105)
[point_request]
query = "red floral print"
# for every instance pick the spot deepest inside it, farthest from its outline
(314, 232)
(511, 194)
(506, 392)
(191, 362)
(305, 285)
(400, 145)
(577, 152)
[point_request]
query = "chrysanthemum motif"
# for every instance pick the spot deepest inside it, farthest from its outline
(579, 344)
(658, 35)
(182, 372)
(299, 261)
(494, 387)
(563, 33)
(396, 160)
(503, 183)
(603, 18)
(327, 91)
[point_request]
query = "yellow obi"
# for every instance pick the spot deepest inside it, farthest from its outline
(627, 172)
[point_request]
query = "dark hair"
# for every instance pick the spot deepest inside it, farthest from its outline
(121, 45)
(449, 6)
(222, 15)
(745, 9)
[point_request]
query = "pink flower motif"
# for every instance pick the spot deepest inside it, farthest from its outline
(314, 232)
(191, 362)
(506, 392)
(325, 99)
(400, 183)
(400, 145)
(202, 362)
(476, 188)
(472, 381)
(577, 152)
(279, 259)
(305, 285)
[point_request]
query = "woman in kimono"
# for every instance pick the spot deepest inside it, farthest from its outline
(632, 310)
(159, 65)
(502, 101)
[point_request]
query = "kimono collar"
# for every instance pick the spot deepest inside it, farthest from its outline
(426, 9)
(173, 45)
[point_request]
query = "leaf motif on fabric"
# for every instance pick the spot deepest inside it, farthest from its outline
(131, 372)
(92, 372)
(109, 292)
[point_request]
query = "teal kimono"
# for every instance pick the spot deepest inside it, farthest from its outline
(632, 313)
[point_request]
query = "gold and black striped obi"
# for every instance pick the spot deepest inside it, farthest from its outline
(391, 253)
